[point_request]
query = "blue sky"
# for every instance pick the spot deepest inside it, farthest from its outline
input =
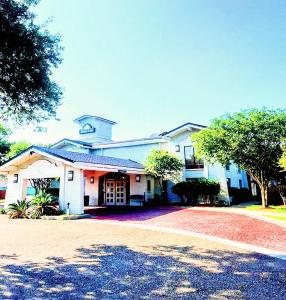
(153, 65)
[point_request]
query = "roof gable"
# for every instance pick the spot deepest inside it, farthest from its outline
(186, 126)
(94, 117)
(74, 157)
(71, 142)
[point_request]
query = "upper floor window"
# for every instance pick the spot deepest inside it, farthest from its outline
(191, 162)
(227, 166)
(148, 185)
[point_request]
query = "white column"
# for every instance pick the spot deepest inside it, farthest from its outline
(74, 191)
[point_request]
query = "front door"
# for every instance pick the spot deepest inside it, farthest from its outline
(110, 192)
(120, 192)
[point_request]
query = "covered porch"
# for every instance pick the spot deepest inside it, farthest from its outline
(84, 179)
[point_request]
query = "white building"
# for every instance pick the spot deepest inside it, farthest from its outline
(107, 172)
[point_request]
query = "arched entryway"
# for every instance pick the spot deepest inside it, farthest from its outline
(114, 189)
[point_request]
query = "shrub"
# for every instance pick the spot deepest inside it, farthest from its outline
(239, 195)
(43, 204)
(2, 211)
(190, 191)
(18, 209)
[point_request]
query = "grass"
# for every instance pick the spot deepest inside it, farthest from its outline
(271, 208)
(280, 218)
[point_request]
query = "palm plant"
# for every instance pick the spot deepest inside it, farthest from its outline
(18, 209)
(43, 204)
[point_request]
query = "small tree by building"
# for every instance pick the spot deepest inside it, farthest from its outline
(163, 165)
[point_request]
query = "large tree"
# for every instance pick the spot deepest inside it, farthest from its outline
(4, 144)
(17, 148)
(283, 157)
(163, 165)
(251, 139)
(28, 54)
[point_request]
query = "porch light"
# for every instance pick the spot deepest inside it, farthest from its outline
(91, 179)
(15, 178)
(177, 148)
(70, 175)
(137, 178)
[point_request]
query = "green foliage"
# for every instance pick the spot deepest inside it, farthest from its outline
(17, 148)
(18, 209)
(251, 139)
(2, 211)
(239, 195)
(28, 54)
(43, 204)
(190, 191)
(282, 160)
(4, 144)
(163, 165)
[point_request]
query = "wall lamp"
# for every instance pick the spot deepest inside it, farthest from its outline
(15, 178)
(91, 179)
(137, 178)
(70, 175)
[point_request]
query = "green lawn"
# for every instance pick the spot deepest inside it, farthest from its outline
(280, 218)
(271, 208)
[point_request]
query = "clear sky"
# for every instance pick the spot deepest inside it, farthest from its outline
(153, 65)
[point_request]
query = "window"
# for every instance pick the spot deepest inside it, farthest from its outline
(240, 183)
(227, 166)
(191, 162)
(238, 170)
(228, 182)
(148, 185)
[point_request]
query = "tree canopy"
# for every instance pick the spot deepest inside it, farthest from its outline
(28, 54)
(251, 139)
(17, 148)
(4, 144)
(283, 157)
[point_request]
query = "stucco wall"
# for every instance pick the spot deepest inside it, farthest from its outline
(70, 191)
(138, 153)
(103, 130)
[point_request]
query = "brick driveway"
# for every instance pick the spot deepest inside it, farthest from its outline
(235, 227)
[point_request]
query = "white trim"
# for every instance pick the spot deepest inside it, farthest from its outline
(65, 142)
(109, 168)
(128, 143)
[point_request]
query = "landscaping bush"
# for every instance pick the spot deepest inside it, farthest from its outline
(190, 191)
(239, 195)
(41, 204)
(18, 209)
(2, 211)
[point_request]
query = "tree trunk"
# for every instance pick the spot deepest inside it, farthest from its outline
(264, 196)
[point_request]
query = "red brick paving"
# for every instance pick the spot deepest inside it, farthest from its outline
(219, 224)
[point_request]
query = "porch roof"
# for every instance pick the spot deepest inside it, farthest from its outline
(76, 158)
(91, 158)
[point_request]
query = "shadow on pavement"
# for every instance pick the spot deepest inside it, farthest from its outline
(158, 272)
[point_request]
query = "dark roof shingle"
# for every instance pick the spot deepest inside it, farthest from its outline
(90, 158)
